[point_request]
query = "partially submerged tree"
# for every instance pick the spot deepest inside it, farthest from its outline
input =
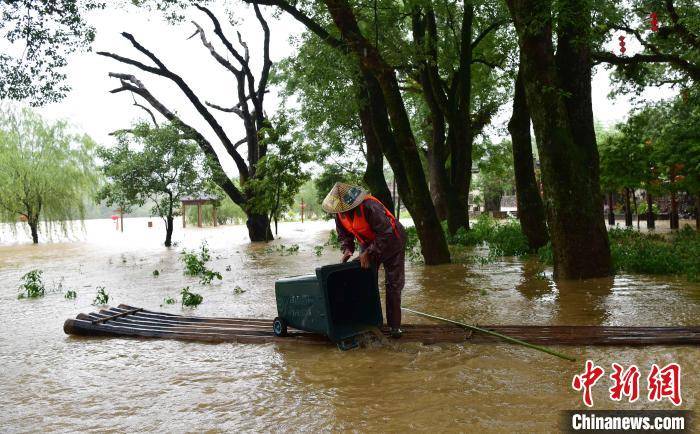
(389, 119)
(249, 107)
(558, 91)
(155, 165)
(531, 212)
(622, 167)
(46, 173)
(280, 172)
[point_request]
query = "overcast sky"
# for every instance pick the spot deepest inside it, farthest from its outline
(92, 109)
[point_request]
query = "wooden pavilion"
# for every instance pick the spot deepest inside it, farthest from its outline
(199, 200)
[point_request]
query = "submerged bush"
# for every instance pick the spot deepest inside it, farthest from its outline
(31, 285)
(333, 240)
(503, 239)
(413, 249)
(195, 264)
(677, 253)
(190, 299)
(169, 300)
(70, 294)
(102, 298)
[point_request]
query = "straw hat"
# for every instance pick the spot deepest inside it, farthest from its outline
(343, 197)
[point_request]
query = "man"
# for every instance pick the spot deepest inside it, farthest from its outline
(382, 240)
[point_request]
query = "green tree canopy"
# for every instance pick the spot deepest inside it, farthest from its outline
(280, 171)
(496, 176)
(41, 34)
(46, 172)
(154, 165)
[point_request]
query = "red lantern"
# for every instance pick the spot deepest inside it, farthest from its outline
(622, 44)
(654, 22)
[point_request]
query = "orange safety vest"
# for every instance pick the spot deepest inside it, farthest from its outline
(359, 226)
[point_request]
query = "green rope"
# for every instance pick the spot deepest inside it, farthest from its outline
(492, 333)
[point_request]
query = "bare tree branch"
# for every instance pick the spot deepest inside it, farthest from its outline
(219, 58)
(131, 83)
(304, 19)
(149, 111)
(163, 71)
(267, 63)
(235, 109)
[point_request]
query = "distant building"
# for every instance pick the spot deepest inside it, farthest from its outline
(509, 204)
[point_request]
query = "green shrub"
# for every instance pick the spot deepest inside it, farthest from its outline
(333, 240)
(545, 254)
(31, 285)
(102, 298)
(70, 294)
(190, 299)
(413, 248)
(195, 264)
(318, 250)
(504, 239)
(508, 239)
(677, 253)
(169, 300)
(287, 251)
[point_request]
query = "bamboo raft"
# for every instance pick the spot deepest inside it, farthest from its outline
(129, 321)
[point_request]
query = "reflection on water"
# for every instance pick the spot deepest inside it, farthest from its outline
(52, 382)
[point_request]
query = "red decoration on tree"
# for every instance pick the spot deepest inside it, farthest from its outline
(654, 22)
(622, 44)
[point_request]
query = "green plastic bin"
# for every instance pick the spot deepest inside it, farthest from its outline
(341, 301)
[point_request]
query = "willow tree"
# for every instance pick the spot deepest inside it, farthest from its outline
(46, 172)
(248, 107)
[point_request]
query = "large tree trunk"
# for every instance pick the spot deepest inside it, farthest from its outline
(461, 132)
(558, 91)
(374, 173)
(492, 202)
(449, 190)
(697, 212)
(169, 231)
(651, 224)
(33, 223)
(439, 182)
(432, 238)
(628, 209)
(530, 207)
(611, 209)
(259, 227)
(673, 215)
(459, 143)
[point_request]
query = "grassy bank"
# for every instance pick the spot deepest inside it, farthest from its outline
(637, 252)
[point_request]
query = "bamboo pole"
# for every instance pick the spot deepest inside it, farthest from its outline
(492, 333)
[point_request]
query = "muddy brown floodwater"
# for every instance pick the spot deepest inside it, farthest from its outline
(53, 382)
